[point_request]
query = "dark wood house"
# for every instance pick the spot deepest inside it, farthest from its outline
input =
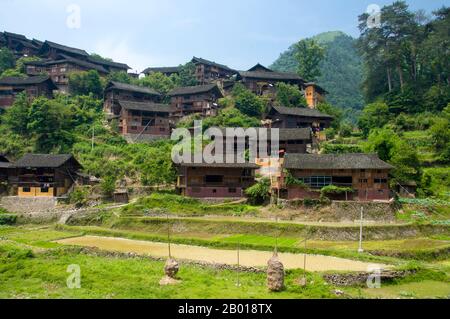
(167, 71)
(44, 175)
(262, 81)
(314, 94)
(215, 180)
(201, 99)
(116, 91)
(60, 69)
(365, 174)
(144, 121)
(19, 44)
(52, 50)
(6, 169)
(34, 86)
(209, 71)
(298, 117)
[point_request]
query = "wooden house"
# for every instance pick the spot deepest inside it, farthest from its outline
(6, 169)
(314, 94)
(144, 121)
(298, 117)
(215, 180)
(44, 175)
(365, 174)
(52, 50)
(60, 69)
(208, 71)
(19, 44)
(262, 81)
(116, 91)
(201, 99)
(167, 71)
(34, 86)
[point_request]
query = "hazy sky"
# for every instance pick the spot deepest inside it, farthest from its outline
(145, 33)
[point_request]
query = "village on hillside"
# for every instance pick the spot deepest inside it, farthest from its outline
(315, 167)
(142, 115)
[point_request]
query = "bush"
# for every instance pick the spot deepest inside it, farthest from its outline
(108, 185)
(8, 219)
(260, 192)
(79, 197)
(341, 148)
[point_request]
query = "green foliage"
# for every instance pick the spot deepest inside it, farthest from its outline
(85, 83)
(121, 77)
(247, 102)
(290, 180)
(375, 115)
(391, 148)
(260, 192)
(341, 69)
(440, 134)
(161, 204)
(7, 219)
(186, 76)
(332, 189)
(309, 55)
(290, 95)
(157, 168)
(159, 82)
(108, 185)
(79, 197)
(336, 113)
(328, 148)
(12, 73)
(7, 60)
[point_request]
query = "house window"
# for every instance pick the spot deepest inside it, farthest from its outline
(214, 191)
(380, 181)
(44, 189)
(214, 179)
(26, 189)
(317, 181)
(363, 181)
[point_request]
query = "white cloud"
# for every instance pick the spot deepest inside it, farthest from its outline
(120, 51)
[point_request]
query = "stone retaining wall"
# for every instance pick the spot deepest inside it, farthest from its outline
(29, 205)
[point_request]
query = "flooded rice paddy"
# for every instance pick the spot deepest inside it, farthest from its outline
(248, 258)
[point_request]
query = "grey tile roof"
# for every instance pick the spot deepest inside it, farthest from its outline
(109, 63)
(211, 63)
(194, 90)
(131, 88)
(294, 134)
(44, 160)
(275, 76)
(88, 65)
(13, 81)
(335, 161)
(168, 69)
(299, 111)
(65, 48)
(147, 107)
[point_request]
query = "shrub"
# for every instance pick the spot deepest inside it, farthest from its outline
(79, 197)
(8, 219)
(260, 192)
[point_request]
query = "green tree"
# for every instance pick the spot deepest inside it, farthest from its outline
(49, 122)
(186, 75)
(309, 56)
(335, 112)
(247, 102)
(7, 60)
(85, 83)
(121, 77)
(159, 82)
(440, 134)
(375, 115)
(290, 95)
(260, 192)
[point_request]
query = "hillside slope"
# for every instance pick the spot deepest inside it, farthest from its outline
(342, 71)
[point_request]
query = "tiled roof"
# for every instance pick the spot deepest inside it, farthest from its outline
(275, 76)
(194, 89)
(168, 69)
(211, 63)
(335, 161)
(25, 81)
(44, 160)
(65, 48)
(300, 111)
(132, 88)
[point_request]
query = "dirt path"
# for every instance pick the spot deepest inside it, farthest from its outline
(248, 258)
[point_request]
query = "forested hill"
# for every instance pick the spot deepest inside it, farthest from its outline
(342, 72)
